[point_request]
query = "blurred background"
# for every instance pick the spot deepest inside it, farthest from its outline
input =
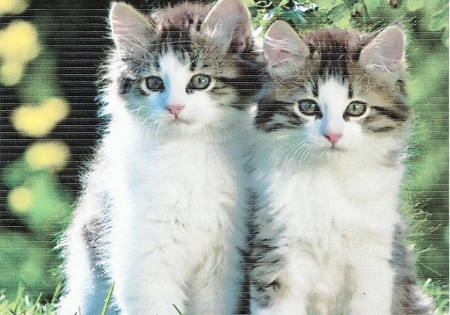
(50, 52)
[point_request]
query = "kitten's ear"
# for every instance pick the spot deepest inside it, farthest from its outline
(129, 28)
(386, 51)
(283, 48)
(229, 21)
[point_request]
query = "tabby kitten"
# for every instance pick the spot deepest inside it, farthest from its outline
(331, 129)
(161, 215)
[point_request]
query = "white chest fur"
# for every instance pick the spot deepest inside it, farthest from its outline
(330, 223)
(177, 220)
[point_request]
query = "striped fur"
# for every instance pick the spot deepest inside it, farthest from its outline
(179, 30)
(334, 54)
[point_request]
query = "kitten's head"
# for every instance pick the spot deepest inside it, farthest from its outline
(181, 69)
(334, 91)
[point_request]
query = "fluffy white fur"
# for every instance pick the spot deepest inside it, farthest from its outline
(331, 212)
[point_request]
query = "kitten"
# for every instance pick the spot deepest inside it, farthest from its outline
(331, 129)
(161, 215)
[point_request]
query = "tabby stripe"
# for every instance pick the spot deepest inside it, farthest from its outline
(381, 129)
(126, 84)
(350, 90)
(392, 114)
(265, 121)
(245, 86)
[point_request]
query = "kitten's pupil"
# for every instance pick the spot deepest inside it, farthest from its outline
(309, 108)
(154, 84)
(200, 82)
(356, 108)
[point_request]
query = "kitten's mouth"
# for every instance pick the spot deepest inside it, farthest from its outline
(179, 121)
(335, 148)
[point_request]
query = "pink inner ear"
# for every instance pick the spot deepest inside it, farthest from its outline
(232, 19)
(277, 56)
(392, 44)
(395, 51)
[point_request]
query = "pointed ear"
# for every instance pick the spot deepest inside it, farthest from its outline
(283, 47)
(229, 20)
(386, 51)
(129, 28)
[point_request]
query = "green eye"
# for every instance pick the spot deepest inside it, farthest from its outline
(309, 108)
(200, 82)
(356, 108)
(154, 84)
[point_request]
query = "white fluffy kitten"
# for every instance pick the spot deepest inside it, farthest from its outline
(161, 215)
(332, 128)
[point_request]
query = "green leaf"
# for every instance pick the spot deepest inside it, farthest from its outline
(283, 3)
(372, 6)
(340, 15)
(414, 5)
(439, 20)
(249, 3)
(327, 4)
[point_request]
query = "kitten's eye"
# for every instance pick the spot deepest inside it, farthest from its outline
(154, 84)
(309, 107)
(200, 82)
(356, 108)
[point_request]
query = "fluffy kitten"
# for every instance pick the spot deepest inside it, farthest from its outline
(161, 214)
(332, 129)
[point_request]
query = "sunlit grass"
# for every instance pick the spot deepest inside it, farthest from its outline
(22, 305)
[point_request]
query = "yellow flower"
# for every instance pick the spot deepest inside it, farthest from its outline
(51, 154)
(19, 42)
(11, 73)
(21, 198)
(12, 6)
(55, 109)
(18, 45)
(38, 121)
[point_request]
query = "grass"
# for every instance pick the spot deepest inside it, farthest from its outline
(22, 305)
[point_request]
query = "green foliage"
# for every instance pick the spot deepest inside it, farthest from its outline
(35, 197)
(440, 294)
(440, 22)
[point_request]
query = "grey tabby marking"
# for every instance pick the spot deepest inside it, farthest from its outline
(408, 298)
(333, 53)
(178, 29)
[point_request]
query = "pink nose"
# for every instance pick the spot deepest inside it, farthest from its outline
(175, 109)
(333, 137)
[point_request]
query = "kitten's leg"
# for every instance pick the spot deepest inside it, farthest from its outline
(281, 286)
(374, 279)
(149, 283)
(408, 297)
(86, 287)
(217, 287)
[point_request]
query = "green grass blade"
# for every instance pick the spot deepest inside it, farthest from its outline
(108, 298)
(57, 292)
(179, 312)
